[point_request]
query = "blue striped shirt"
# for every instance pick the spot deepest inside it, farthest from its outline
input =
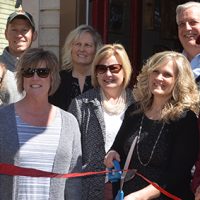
(38, 147)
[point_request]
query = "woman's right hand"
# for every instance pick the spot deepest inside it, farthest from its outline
(110, 156)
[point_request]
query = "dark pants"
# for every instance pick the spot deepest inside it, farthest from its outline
(108, 191)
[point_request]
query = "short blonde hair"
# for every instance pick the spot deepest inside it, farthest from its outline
(105, 52)
(185, 94)
(72, 37)
(30, 59)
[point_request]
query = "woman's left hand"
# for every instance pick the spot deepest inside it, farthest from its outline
(132, 197)
(149, 192)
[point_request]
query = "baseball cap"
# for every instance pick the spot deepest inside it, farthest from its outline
(19, 14)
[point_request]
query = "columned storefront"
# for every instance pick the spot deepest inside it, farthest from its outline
(142, 26)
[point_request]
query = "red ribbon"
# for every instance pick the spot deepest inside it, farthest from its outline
(159, 188)
(12, 170)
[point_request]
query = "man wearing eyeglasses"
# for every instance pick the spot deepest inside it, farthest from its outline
(20, 33)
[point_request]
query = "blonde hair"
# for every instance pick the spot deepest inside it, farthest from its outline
(73, 36)
(105, 52)
(185, 94)
(30, 59)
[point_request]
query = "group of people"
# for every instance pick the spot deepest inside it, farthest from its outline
(82, 116)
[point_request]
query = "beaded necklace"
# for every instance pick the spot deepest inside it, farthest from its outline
(114, 108)
(154, 146)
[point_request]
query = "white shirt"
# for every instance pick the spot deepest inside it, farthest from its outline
(112, 124)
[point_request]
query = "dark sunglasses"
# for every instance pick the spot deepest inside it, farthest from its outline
(41, 72)
(114, 68)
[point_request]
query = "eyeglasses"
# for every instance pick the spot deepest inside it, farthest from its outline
(41, 72)
(114, 68)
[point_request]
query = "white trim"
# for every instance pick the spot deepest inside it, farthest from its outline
(87, 12)
(34, 8)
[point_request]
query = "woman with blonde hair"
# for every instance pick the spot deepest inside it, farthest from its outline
(77, 55)
(164, 118)
(100, 112)
(36, 134)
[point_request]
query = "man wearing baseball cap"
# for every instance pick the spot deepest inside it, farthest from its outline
(20, 33)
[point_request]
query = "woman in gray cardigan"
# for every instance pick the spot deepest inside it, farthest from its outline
(100, 112)
(36, 134)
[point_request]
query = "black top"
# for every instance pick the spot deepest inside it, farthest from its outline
(197, 79)
(173, 157)
(68, 89)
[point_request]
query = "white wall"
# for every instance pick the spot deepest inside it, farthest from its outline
(6, 7)
(33, 8)
(46, 14)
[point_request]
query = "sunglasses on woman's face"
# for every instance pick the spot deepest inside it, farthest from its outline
(114, 68)
(41, 72)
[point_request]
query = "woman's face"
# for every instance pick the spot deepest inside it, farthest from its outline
(110, 73)
(162, 80)
(83, 49)
(38, 82)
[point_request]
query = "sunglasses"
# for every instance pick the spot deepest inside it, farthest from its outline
(114, 68)
(41, 72)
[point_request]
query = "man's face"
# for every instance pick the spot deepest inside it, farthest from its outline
(20, 36)
(189, 29)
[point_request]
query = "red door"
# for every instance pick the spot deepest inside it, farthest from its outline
(119, 21)
(144, 27)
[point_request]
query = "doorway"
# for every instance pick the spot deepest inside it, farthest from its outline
(143, 27)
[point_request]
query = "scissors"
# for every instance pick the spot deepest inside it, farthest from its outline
(118, 175)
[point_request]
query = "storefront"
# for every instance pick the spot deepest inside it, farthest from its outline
(142, 26)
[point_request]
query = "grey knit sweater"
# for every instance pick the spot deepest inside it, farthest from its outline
(67, 159)
(9, 79)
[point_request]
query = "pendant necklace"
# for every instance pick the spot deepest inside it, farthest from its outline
(114, 108)
(154, 146)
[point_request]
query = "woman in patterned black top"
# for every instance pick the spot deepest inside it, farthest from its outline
(78, 53)
(164, 118)
(100, 112)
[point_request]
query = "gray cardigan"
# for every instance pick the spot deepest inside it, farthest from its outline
(67, 159)
(10, 61)
(88, 111)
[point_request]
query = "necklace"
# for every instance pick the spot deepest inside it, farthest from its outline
(114, 108)
(154, 146)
